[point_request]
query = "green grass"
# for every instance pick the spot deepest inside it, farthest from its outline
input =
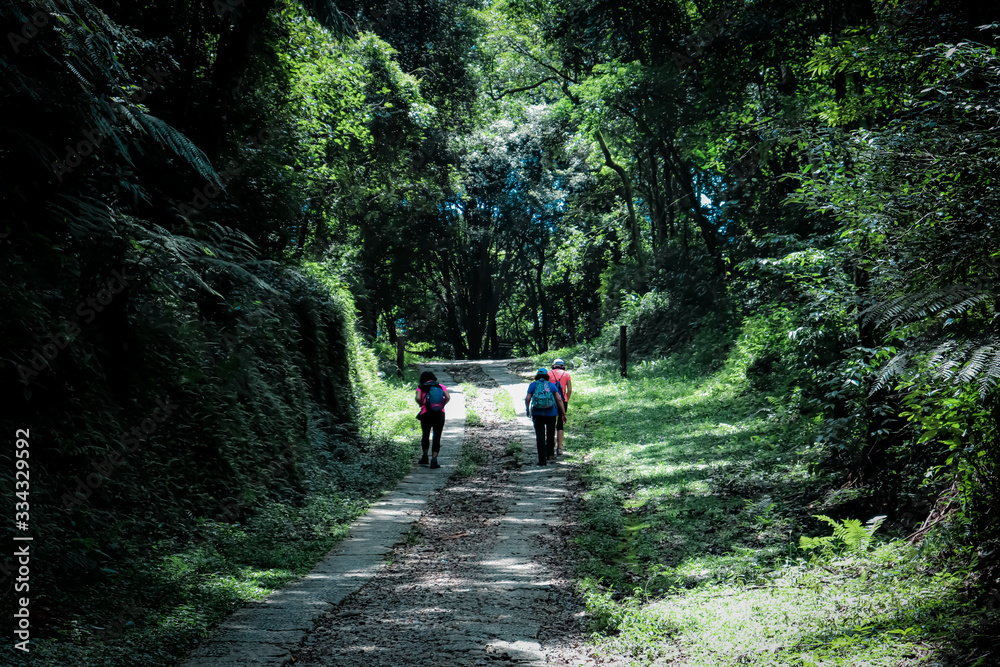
(697, 494)
(472, 417)
(470, 457)
(514, 448)
(504, 405)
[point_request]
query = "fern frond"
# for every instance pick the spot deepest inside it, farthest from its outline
(167, 135)
(806, 543)
(989, 379)
(947, 301)
(946, 370)
(873, 523)
(974, 366)
(966, 304)
(86, 216)
(895, 367)
(938, 352)
(851, 533)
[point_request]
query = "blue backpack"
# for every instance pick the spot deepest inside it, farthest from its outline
(542, 399)
(433, 397)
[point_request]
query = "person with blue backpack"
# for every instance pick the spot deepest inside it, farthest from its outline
(544, 403)
(431, 396)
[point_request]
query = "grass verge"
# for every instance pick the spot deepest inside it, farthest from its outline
(470, 457)
(504, 405)
(697, 495)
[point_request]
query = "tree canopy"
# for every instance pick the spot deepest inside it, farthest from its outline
(526, 174)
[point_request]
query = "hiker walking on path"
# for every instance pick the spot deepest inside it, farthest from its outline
(431, 396)
(560, 376)
(544, 402)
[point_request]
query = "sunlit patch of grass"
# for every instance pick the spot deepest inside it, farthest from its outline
(249, 583)
(696, 497)
(504, 405)
(470, 390)
(872, 609)
(472, 417)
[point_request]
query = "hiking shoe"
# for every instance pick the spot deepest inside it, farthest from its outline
(559, 452)
(552, 458)
(541, 463)
(423, 460)
(434, 463)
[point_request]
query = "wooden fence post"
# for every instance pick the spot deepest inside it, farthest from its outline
(623, 347)
(400, 347)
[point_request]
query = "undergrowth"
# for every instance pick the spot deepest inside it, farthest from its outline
(701, 488)
(179, 583)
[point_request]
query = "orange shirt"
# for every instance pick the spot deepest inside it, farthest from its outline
(562, 378)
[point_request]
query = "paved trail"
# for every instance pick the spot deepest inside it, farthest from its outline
(438, 572)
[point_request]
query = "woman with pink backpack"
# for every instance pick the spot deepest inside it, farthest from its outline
(431, 396)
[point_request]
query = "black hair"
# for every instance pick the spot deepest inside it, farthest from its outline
(539, 376)
(427, 376)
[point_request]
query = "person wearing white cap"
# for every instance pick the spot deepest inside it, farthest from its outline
(560, 376)
(544, 404)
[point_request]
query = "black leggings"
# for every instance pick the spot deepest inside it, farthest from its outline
(545, 436)
(430, 420)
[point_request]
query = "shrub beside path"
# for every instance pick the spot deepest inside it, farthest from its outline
(438, 572)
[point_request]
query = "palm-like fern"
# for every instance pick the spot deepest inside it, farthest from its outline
(947, 302)
(974, 359)
(85, 72)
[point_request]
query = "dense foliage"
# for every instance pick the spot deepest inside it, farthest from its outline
(212, 209)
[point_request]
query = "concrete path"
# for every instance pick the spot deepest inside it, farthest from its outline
(266, 632)
(512, 573)
(488, 603)
(476, 588)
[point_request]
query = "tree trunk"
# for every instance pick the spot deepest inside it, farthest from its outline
(542, 310)
(390, 328)
(635, 240)
(494, 339)
(451, 312)
(570, 314)
(682, 171)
